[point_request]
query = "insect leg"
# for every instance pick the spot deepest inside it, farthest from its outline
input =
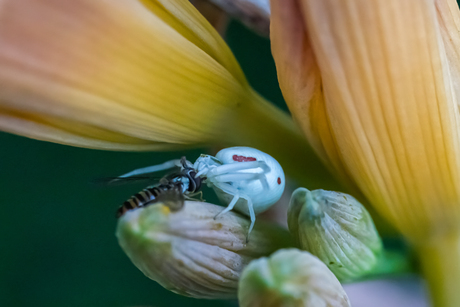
(153, 168)
(191, 196)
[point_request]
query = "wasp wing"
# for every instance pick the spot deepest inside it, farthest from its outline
(173, 199)
(117, 181)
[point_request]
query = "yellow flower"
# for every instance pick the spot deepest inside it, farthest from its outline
(374, 84)
(132, 75)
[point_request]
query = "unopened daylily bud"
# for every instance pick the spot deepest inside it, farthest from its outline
(337, 229)
(290, 277)
(189, 252)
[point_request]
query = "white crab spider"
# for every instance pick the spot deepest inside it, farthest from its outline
(245, 179)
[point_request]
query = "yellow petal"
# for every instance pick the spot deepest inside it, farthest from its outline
(72, 132)
(217, 17)
(391, 105)
(134, 75)
(449, 22)
(114, 66)
(186, 20)
(300, 81)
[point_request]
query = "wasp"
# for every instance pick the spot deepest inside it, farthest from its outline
(173, 190)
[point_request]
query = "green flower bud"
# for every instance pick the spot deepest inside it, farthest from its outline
(189, 252)
(290, 278)
(337, 229)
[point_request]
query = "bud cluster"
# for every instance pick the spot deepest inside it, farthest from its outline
(192, 253)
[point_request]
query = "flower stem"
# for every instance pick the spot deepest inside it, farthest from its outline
(440, 259)
(392, 262)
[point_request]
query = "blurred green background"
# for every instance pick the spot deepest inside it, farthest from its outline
(57, 230)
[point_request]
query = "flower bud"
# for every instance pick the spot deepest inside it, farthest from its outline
(337, 229)
(290, 277)
(189, 252)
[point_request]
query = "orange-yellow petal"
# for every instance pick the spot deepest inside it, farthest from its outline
(300, 81)
(217, 17)
(449, 22)
(74, 133)
(186, 20)
(134, 75)
(111, 65)
(391, 105)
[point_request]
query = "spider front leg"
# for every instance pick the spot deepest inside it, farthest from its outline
(231, 190)
(229, 172)
(232, 167)
(234, 177)
(153, 168)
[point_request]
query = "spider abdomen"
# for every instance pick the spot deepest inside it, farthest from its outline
(261, 197)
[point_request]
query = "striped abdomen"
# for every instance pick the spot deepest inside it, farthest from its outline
(146, 196)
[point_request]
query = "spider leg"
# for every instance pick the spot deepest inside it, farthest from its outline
(236, 196)
(252, 215)
(232, 167)
(232, 177)
(153, 168)
(201, 172)
(227, 188)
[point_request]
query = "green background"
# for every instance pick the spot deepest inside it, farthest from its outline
(57, 230)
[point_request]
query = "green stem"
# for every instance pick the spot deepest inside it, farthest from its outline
(390, 263)
(440, 259)
(394, 263)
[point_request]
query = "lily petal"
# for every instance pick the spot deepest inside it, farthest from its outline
(72, 132)
(449, 22)
(217, 17)
(391, 106)
(186, 20)
(134, 75)
(117, 67)
(300, 81)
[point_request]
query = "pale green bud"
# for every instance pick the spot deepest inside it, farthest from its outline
(189, 252)
(290, 278)
(337, 229)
